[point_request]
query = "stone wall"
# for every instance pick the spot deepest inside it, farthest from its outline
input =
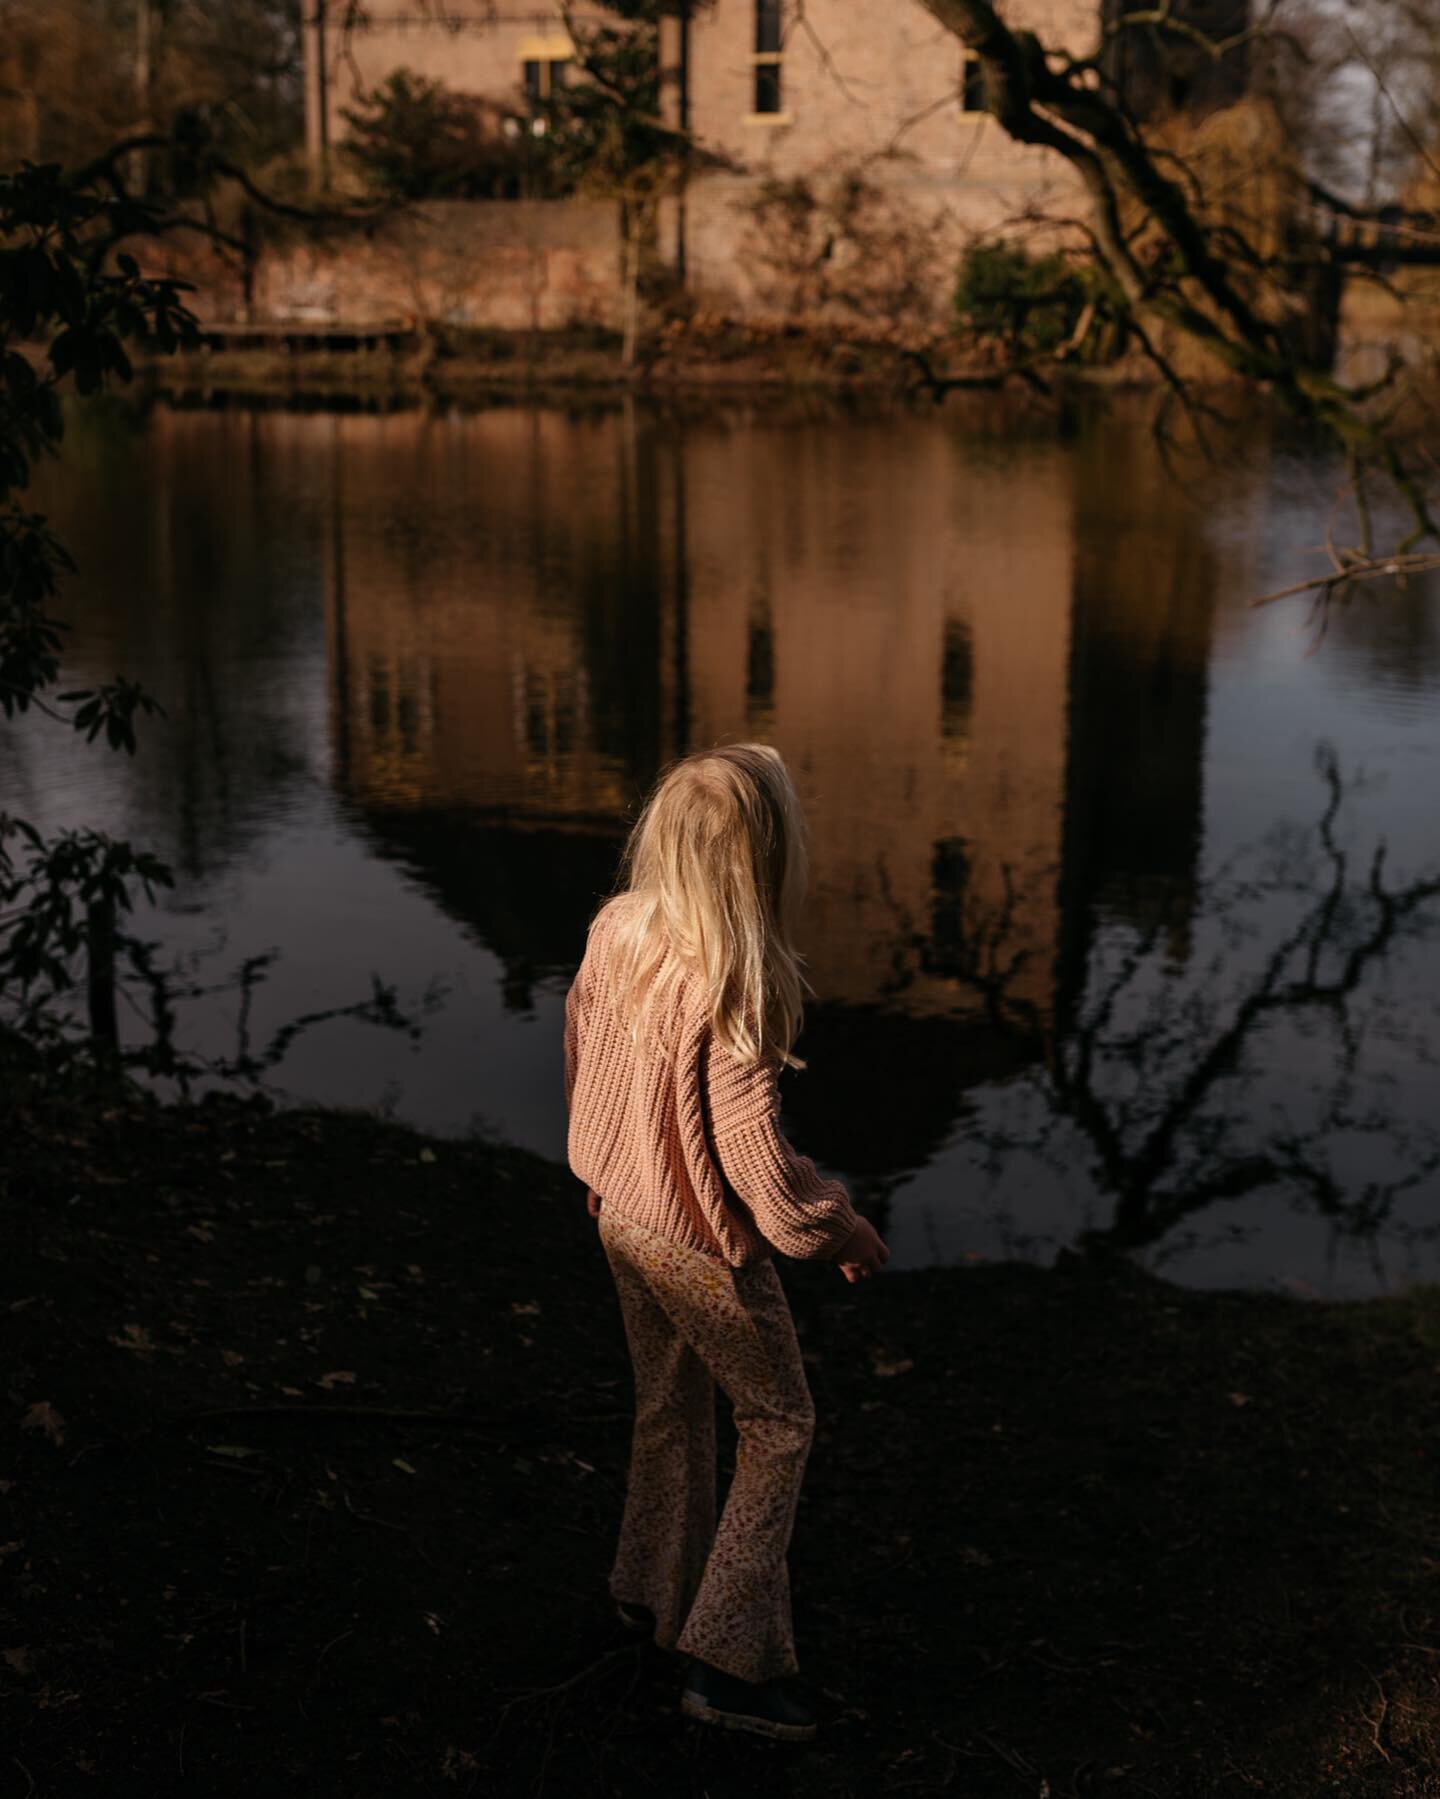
(522, 265)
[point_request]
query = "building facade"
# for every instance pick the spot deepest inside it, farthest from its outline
(848, 156)
(860, 156)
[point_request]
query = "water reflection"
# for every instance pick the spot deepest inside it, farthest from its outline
(1013, 673)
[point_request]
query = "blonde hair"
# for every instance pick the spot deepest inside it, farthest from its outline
(711, 880)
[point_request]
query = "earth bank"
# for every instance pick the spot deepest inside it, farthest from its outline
(316, 1446)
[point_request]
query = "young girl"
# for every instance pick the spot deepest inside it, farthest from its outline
(683, 1011)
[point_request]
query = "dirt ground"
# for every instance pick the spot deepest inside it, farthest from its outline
(315, 1449)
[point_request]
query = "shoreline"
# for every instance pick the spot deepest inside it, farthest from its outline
(721, 361)
(749, 365)
(318, 1439)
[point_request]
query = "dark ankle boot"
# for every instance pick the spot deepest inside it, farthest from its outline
(764, 1707)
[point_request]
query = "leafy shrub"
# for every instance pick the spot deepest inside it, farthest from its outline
(414, 139)
(1033, 304)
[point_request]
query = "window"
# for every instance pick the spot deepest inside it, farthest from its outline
(768, 98)
(972, 84)
(957, 679)
(543, 66)
(760, 666)
(543, 76)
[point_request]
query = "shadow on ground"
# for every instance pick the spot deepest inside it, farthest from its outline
(316, 1447)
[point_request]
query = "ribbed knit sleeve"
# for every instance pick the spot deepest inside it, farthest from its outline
(793, 1206)
(573, 1010)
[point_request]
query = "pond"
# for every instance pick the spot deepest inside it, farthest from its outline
(1101, 948)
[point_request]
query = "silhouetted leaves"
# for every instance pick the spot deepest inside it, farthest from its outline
(64, 312)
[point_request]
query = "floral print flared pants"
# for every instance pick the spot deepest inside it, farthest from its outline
(693, 1322)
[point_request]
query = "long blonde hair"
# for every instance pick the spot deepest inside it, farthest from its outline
(711, 881)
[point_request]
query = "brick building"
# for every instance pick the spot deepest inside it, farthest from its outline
(853, 156)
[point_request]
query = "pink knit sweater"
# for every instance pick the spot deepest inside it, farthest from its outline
(691, 1149)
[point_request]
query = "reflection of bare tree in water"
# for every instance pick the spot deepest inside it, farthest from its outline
(1148, 1069)
(46, 1013)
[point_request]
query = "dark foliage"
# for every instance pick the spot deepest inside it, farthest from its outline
(413, 139)
(65, 313)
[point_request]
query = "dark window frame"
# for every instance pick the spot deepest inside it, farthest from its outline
(768, 89)
(769, 27)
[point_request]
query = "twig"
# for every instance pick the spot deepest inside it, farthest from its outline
(1011, 1757)
(30, 697)
(1377, 1724)
(331, 1644)
(370, 1518)
(471, 1420)
(1380, 568)
(409, 1760)
(351, 1411)
(238, 1468)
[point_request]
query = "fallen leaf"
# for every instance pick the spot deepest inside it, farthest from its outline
(886, 1370)
(400, 1463)
(134, 1337)
(367, 1292)
(1239, 1399)
(232, 1358)
(18, 1660)
(340, 1377)
(526, 1308)
(43, 1416)
(428, 1155)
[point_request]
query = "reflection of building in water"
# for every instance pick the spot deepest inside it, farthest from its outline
(492, 585)
(863, 600)
(1145, 582)
(573, 603)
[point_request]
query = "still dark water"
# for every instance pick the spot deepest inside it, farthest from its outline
(1087, 964)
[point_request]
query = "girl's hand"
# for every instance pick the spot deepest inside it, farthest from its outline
(592, 1202)
(864, 1252)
